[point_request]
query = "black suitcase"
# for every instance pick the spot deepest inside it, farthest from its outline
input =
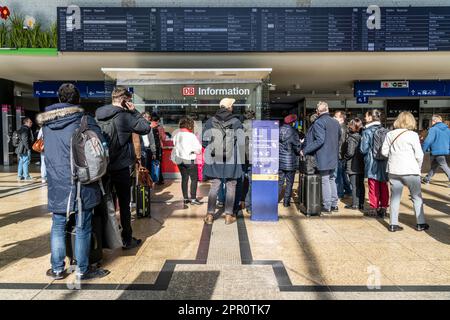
(310, 194)
(96, 252)
(143, 202)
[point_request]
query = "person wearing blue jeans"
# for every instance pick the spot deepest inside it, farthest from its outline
(342, 181)
(23, 149)
(22, 168)
(221, 196)
(83, 229)
(59, 122)
(329, 190)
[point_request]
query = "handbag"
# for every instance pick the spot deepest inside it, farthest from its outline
(154, 172)
(111, 230)
(38, 145)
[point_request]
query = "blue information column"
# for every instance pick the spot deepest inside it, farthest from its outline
(265, 144)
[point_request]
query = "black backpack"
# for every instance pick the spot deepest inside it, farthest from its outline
(228, 136)
(378, 139)
(109, 131)
(15, 140)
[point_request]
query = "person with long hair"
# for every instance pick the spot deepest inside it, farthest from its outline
(375, 169)
(355, 164)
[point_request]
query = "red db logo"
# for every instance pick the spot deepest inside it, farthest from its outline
(189, 91)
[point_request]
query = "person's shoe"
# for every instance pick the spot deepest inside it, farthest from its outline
(44, 181)
(230, 218)
(20, 178)
(381, 213)
(394, 228)
(196, 202)
(422, 227)
(361, 207)
(325, 210)
(220, 204)
(93, 274)
(56, 275)
(186, 201)
(335, 208)
(29, 179)
(134, 243)
(425, 181)
(349, 206)
(371, 213)
(209, 219)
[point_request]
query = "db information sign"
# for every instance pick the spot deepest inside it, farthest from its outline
(188, 91)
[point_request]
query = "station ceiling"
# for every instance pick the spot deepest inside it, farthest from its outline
(303, 74)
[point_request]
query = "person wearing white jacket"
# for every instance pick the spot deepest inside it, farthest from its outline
(404, 152)
(186, 149)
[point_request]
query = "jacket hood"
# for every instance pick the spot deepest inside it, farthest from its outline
(107, 112)
(374, 123)
(224, 115)
(286, 132)
(441, 126)
(59, 115)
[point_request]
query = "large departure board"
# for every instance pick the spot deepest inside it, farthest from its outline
(175, 29)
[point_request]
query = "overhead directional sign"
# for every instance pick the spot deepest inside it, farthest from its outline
(88, 89)
(413, 88)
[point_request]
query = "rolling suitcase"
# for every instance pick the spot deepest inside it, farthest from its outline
(143, 201)
(310, 194)
(96, 252)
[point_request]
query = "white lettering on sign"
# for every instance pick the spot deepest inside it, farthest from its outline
(223, 91)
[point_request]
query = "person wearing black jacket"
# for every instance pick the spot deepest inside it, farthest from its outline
(23, 150)
(355, 164)
(289, 152)
(342, 181)
(118, 121)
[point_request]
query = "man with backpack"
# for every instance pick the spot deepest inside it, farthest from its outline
(118, 122)
(222, 157)
(375, 163)
(23, 139)
(60, 121)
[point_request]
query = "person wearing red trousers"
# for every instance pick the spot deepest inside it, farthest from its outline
(375, 170)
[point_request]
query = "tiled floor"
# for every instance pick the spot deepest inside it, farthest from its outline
(328, 257)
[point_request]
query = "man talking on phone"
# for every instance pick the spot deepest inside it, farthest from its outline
(118, 122)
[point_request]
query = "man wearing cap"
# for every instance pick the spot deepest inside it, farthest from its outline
(223, 157)
(289, 152)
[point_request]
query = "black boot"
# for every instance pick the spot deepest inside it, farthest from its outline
(394, 228)
(422, 227)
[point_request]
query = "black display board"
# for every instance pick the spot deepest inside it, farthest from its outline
(145, 29)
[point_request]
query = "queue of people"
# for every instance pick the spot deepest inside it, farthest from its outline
(342, 154)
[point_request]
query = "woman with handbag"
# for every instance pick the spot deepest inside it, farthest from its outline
(405, 157)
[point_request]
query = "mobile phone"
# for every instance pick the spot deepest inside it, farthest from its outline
(124, 104)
